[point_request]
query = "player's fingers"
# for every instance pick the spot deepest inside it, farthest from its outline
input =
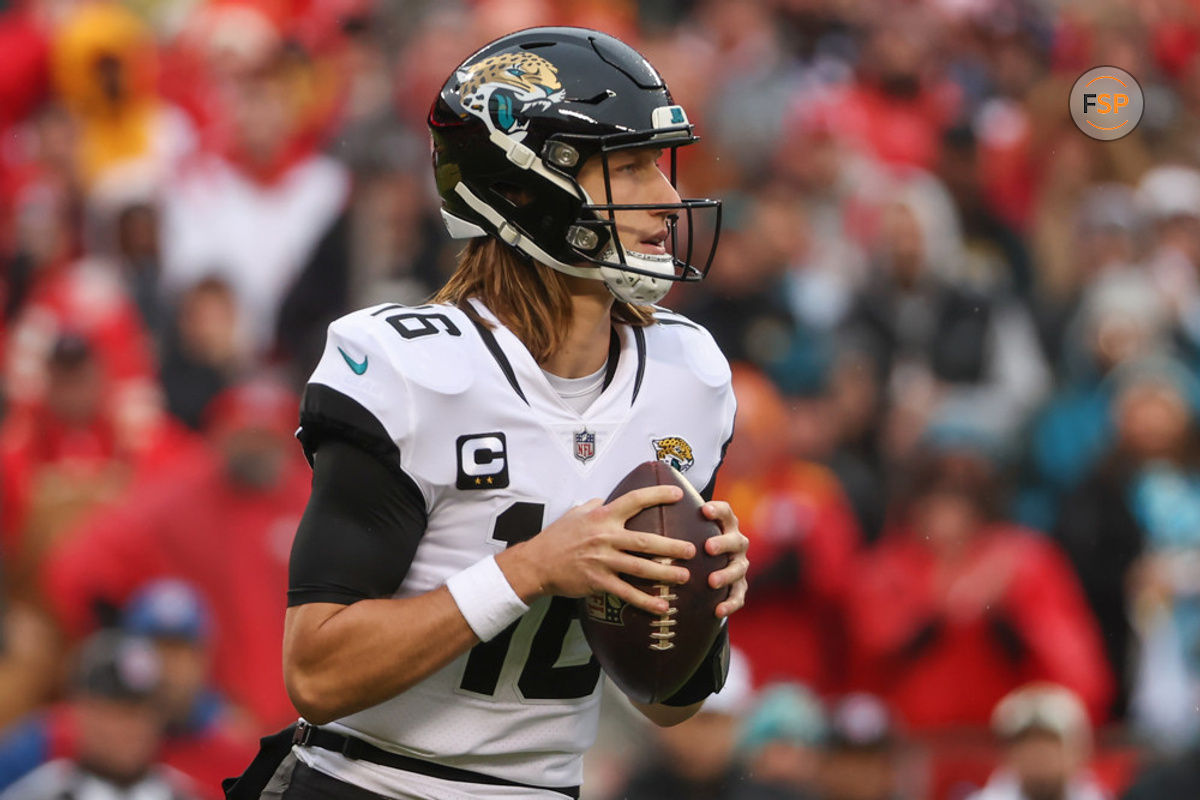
(653, 544)
(651, 569)
(589, 506)
(722, 513)
(634, 501)
(730, 574)
(735, 601)
(636, 597)
(731, 543)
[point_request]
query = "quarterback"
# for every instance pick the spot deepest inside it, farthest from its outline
(459, 448)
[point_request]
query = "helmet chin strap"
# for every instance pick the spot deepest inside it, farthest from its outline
(628, 287)
(632, 287)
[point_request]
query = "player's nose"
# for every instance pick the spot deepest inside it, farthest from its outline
(664, 192)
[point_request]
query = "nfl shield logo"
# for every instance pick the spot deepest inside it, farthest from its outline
(585, 445)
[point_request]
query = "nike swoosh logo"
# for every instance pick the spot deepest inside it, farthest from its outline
(359, 367)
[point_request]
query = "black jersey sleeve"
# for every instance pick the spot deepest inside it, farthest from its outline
(707, 491)
(327, 413)
(361, 527)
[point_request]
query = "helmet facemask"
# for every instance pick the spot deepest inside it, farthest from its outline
(634, 276)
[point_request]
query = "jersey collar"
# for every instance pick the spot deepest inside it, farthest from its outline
(622, 380)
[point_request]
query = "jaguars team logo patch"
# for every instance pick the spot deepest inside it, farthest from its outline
(674, 451)
(503, 88)
(606, 608)
(585, 445)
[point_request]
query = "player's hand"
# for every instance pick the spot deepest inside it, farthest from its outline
(733, 542)
(586, 550)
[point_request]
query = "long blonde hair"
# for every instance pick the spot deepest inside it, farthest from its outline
(532, 300)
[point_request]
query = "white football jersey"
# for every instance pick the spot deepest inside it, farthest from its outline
(498, 455)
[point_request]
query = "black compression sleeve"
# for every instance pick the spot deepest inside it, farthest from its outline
(359, 531)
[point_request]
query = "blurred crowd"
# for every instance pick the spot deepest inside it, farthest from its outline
(966, 346)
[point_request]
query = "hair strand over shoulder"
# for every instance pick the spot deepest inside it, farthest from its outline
(532, 300)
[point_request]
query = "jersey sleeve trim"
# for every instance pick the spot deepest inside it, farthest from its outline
(661, 320)
(639, 338)
(325, 412)
(707, 491)
(614, 356)
(493, 347)
(666, 316)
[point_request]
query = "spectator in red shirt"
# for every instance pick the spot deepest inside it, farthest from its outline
(899, 106)
(223, 520)
(62, 456)
(25, 77)
(804, 537)
(956, 607)
(82, 298)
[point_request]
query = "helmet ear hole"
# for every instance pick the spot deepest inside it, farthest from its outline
(516, 196)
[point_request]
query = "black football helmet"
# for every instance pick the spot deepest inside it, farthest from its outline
(516, 121)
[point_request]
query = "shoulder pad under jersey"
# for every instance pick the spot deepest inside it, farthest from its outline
(374, 362)
(428, 345)
(696, 346)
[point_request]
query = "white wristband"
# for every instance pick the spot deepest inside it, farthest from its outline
(485, 598)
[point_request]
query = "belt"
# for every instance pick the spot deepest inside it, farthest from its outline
(307, 735)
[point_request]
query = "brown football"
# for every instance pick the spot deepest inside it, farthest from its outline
(651, 657)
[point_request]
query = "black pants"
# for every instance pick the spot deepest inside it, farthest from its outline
(305, 783)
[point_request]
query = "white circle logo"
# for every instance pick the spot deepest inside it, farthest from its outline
(1106, 103)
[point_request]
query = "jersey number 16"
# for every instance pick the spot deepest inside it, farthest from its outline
(540, 679)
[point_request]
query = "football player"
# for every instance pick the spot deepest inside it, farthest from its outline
(458, 448)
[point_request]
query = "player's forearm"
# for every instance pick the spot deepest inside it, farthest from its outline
(342, 659)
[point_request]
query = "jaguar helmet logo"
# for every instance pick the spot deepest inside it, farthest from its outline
(501, 89)
(674, 451)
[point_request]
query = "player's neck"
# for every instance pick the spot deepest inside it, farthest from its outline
(585, 348)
